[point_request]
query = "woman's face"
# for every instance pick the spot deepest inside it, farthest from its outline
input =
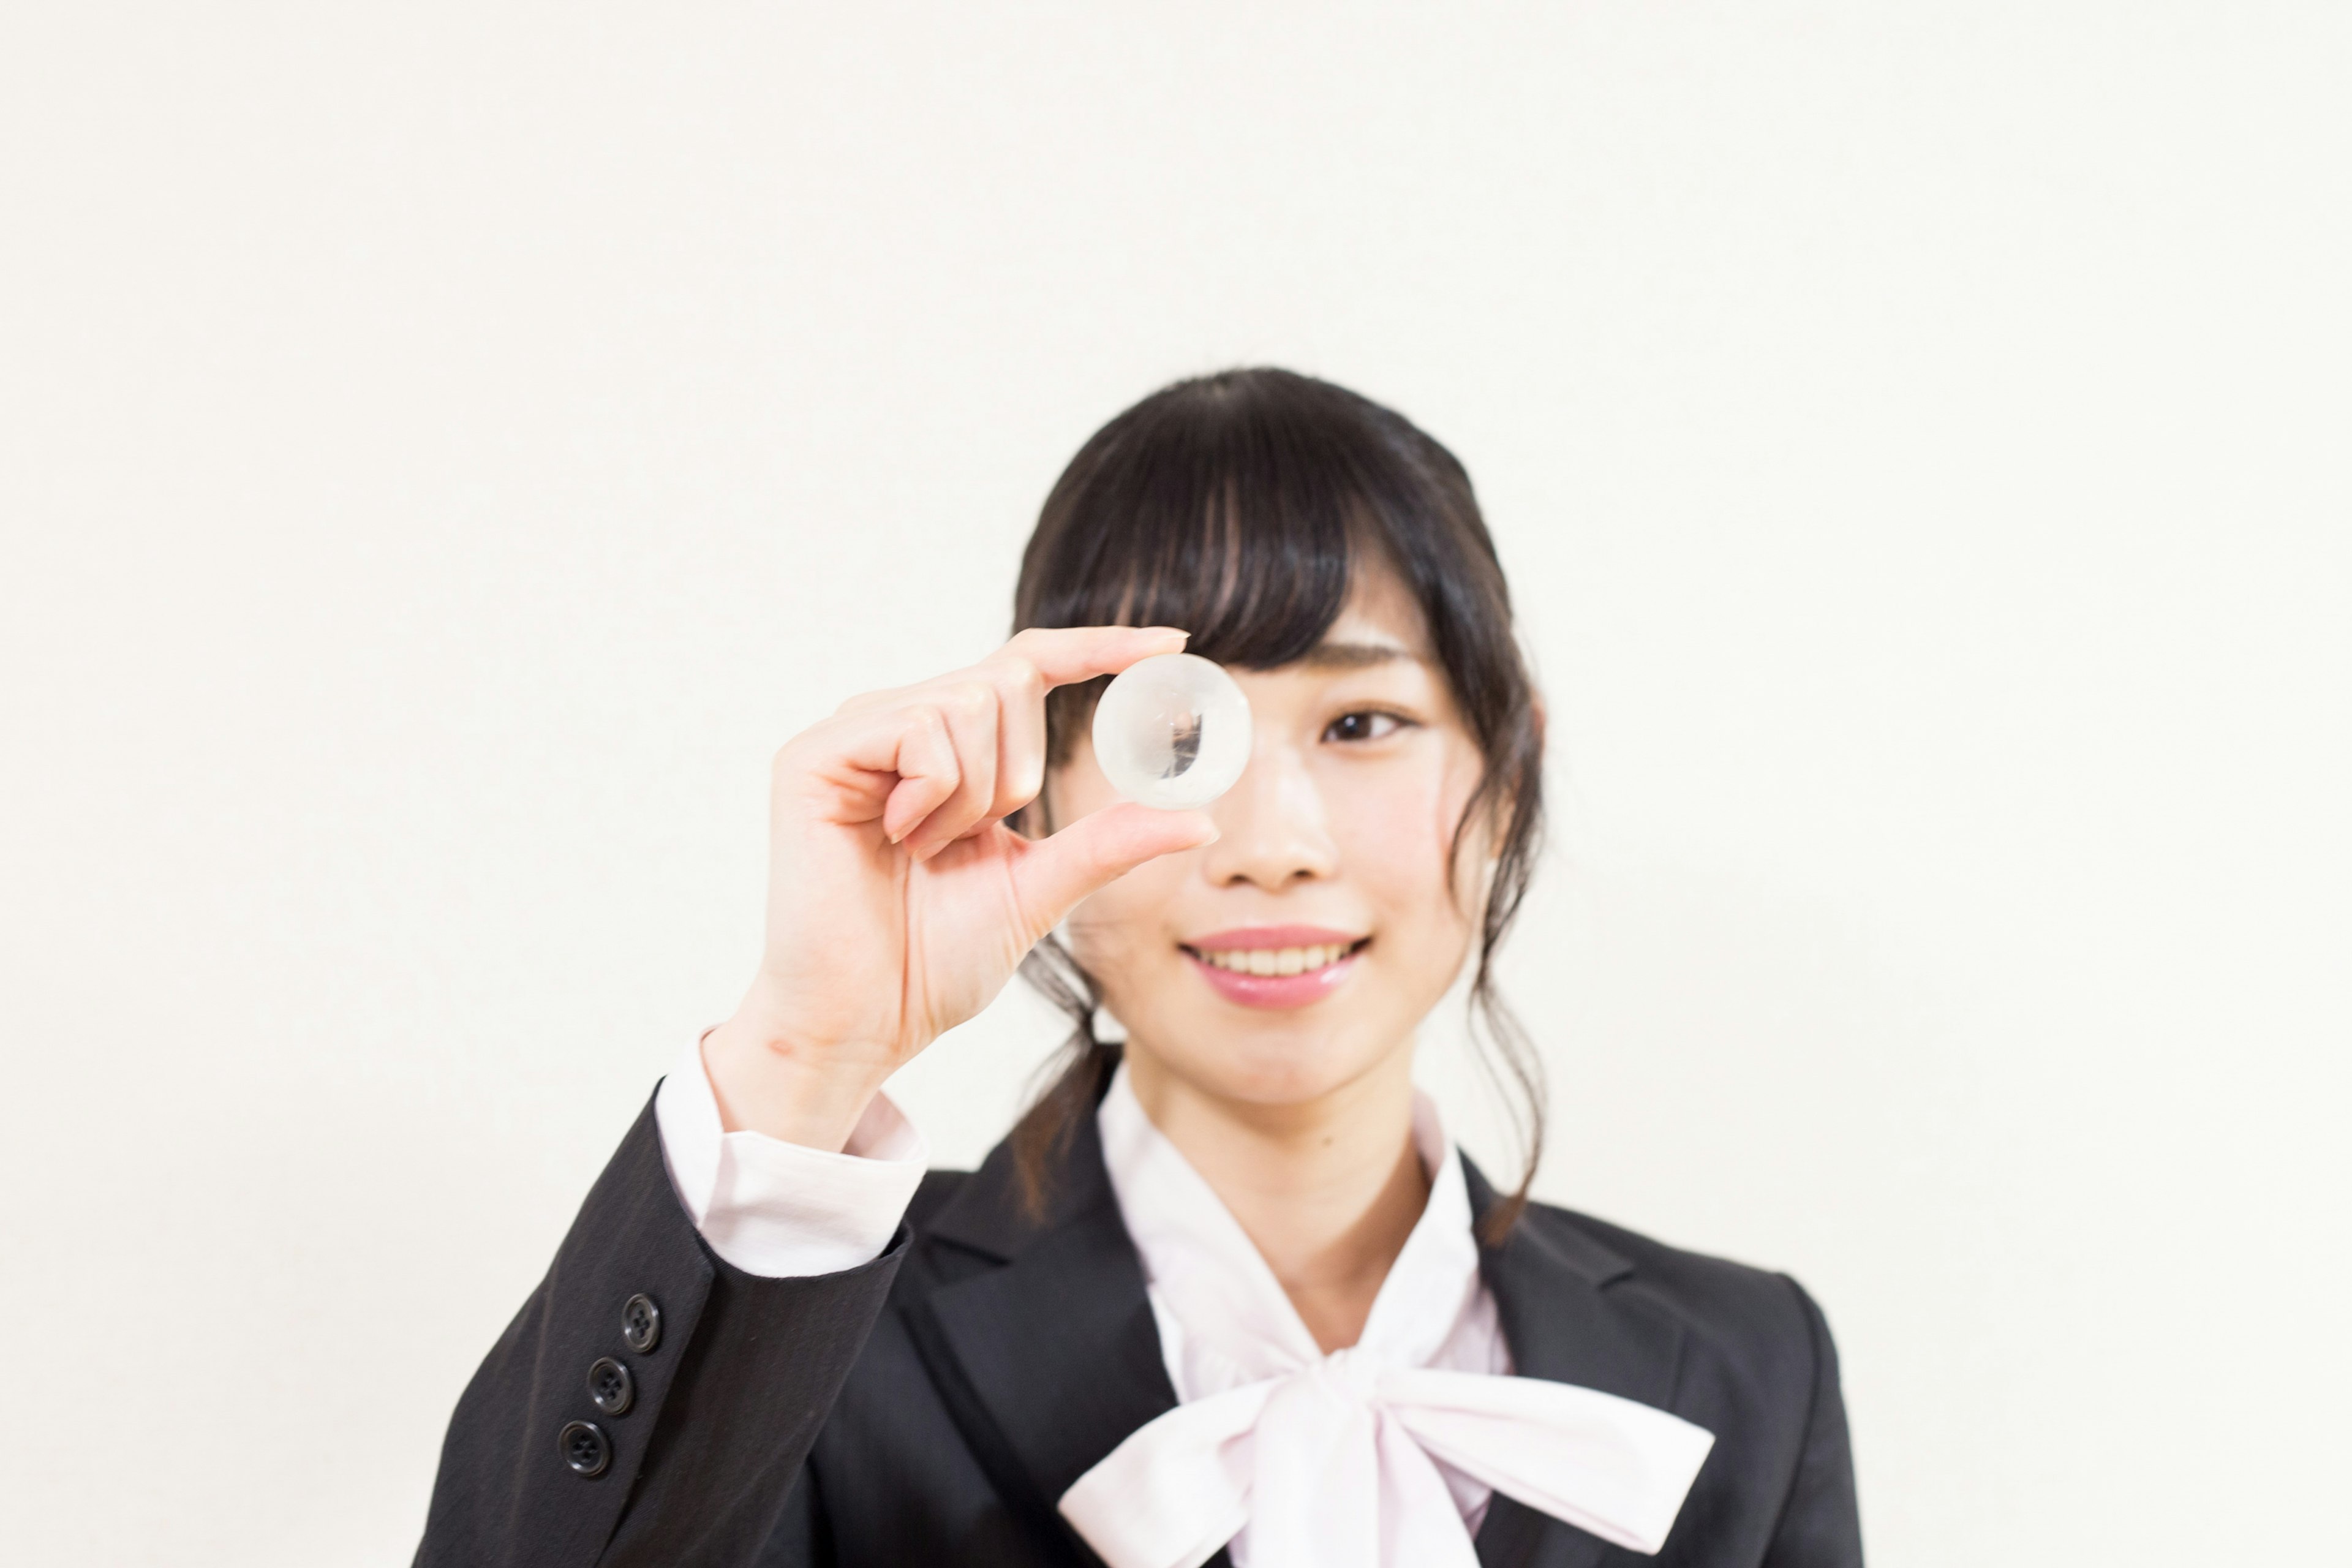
(1300, 950)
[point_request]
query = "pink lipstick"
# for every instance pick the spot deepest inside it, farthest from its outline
(1276, 966)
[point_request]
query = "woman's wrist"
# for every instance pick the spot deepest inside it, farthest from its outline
(766, 1081)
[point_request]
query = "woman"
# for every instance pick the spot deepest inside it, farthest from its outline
(1228, 1292)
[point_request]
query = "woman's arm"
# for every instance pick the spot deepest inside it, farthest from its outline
(730, 1376)
(899, 905)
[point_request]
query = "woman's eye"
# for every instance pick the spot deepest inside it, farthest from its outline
(1362, 726)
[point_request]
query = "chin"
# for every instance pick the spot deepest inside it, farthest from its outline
(1264, 1064)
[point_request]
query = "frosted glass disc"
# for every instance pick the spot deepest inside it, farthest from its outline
(1172, 731)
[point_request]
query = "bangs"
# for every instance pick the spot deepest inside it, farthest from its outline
(1216, 515)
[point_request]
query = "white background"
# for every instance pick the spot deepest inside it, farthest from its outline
(445, 449)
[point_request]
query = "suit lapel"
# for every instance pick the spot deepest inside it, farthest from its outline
(1050, 1359)
(1549, 1280)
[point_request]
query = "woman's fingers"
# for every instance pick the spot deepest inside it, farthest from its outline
(974, 743)
(971, 712)
(1034, 663)
(1061, 655)
(1020, 732)
(925, 768)
(1055, 873)
(896, 766)
(925, 760)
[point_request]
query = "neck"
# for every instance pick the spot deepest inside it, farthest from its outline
(1328, 1190)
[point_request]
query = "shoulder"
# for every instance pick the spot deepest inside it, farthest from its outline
(1758, 1318)
(1740, 1350)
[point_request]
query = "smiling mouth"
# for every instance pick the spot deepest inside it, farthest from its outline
(1278, 961)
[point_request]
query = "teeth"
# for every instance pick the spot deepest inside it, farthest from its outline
(1277, 959)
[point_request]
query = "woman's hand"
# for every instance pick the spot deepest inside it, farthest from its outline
(898, 901)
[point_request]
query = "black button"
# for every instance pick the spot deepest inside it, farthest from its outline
(611, 1387)
(584, 1448)
(641, 1323)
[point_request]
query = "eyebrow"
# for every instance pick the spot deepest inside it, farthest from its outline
(1351, 655)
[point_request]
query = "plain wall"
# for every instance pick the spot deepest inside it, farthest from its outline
(444, 449)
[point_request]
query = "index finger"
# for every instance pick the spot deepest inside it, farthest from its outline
(1060, 655)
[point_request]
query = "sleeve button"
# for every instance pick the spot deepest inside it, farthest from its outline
(584, 1449)
(611, 1387)
(641, 1323)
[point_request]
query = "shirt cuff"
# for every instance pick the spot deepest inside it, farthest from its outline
(781, 1210)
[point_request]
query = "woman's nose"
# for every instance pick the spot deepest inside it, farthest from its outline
(1270, 824)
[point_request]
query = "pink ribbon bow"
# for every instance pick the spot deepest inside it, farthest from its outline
(1330, 1468)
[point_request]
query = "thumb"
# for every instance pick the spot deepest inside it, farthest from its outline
(1098, 849)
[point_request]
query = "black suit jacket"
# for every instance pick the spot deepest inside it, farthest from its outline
(930, 1407)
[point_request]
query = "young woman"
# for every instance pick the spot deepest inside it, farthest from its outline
(1228, 1292)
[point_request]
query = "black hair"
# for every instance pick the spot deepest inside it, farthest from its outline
(1239, 506)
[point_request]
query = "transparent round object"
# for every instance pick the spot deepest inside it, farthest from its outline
(1172, 731)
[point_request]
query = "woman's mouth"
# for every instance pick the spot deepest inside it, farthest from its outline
(1276, 966)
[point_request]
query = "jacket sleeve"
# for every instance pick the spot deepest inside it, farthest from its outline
(1821, 1522)
(728, 1378)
